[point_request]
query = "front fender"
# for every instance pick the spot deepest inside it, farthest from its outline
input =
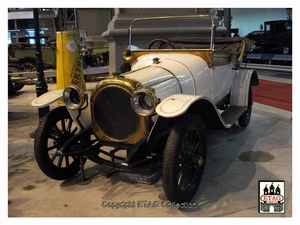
(82, 118)
(48, 98)
(176, 105)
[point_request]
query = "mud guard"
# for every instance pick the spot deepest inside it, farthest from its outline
(177, 105)
(80, 117)
(47, 98)
(240, 87)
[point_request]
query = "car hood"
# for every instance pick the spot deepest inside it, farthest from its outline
(154, 69)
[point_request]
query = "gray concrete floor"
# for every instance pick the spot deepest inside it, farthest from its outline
(237, 160)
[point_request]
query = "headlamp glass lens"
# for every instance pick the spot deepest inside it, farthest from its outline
(143, 103)
(73, 98)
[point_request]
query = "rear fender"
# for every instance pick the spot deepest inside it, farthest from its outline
(26, 58)
(240, 87)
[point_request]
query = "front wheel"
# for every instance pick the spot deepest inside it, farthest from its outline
(184, 158)
(54, 130)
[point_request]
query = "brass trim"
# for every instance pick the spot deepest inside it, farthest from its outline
(129, 86)
(81, 94)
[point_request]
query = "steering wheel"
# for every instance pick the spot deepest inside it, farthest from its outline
(160, 44)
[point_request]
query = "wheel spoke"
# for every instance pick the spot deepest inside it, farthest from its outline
(67, 161)
(53, 157)
(58, 131)
(74, 131)
(63, 125)
(180, 179)
(59, 163)
(69, 127)
(183, 180)
(195, 147)
(194, 140)
(52, 147)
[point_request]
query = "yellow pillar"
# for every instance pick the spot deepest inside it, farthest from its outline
(68, 63)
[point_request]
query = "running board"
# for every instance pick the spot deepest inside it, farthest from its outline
(145, 177)
(232, 114)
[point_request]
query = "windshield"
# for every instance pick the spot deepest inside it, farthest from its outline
(170, 28)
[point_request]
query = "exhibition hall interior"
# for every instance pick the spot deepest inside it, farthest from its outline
(150, 112)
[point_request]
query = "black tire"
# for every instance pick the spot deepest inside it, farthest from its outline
(18, 85)
(13, 68)
(184, 158)
(53, 131)
(245, 118)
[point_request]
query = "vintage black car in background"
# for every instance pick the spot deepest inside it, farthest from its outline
(273, 44)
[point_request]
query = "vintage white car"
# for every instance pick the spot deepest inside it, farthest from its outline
(150, 118)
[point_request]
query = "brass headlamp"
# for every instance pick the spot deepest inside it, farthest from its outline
(144, 102)
(74, 97)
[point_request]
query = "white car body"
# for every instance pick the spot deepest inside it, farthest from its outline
(190, 75)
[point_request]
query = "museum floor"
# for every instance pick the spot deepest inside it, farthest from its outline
(238, 160)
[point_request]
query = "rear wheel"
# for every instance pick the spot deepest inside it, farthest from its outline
(244, 119)
(184, 158)
(54, 130)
